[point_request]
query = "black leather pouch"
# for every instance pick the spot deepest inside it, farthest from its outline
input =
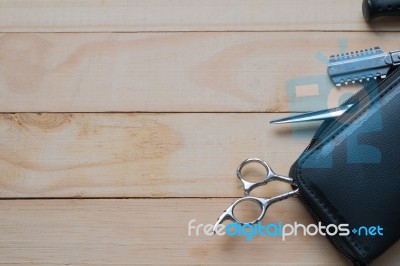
(350, 172)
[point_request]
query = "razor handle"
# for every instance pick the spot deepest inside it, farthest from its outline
(377, 8)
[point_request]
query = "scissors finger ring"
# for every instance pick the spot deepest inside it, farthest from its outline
(263, 203)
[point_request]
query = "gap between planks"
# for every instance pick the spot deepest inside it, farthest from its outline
(133, 231)
(179, 15)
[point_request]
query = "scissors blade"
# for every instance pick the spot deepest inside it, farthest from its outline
(313, 116)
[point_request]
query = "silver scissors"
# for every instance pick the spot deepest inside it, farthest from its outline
(263, 203)
(314, 116)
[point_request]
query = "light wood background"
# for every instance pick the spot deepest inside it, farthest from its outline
(123, 120)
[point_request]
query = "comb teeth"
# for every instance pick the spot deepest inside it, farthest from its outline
(354, 55)
(361, 79)
(358, 66)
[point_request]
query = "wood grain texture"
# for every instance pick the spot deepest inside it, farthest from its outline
(72, 57)
(138, 155)
(150, 231)
(174, 72)
(181, 15)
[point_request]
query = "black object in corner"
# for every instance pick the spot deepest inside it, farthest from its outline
(350, 172)
(378, 8)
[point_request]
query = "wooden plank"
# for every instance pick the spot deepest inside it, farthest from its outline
(138, 155)
(180, 15)
(151, 231)
(174, 72)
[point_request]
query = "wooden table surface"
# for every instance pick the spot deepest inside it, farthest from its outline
(123, 120)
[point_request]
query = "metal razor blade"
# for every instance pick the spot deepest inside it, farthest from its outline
(361, 65)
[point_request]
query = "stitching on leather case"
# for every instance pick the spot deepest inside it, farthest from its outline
(356, 245)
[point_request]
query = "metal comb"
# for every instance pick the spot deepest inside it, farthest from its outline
(361, 65)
